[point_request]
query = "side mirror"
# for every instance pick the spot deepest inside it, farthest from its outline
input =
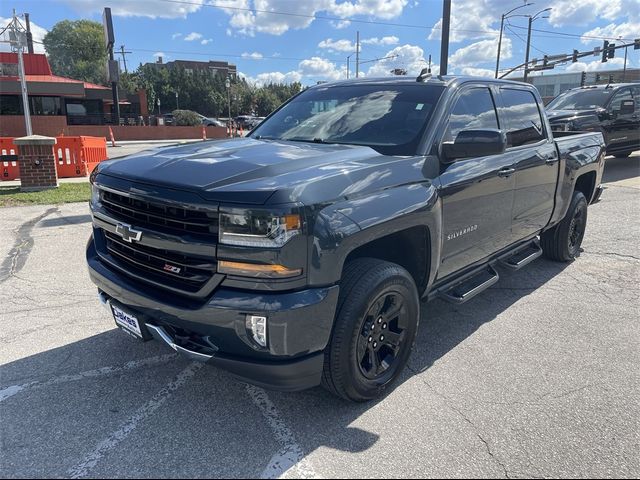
(627, 107)
(474, 143)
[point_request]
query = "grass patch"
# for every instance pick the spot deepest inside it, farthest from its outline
(65, 193)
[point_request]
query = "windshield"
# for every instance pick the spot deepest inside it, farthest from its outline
(387, 118)
(581, 99)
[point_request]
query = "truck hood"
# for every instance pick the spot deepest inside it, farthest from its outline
(250, 171)
(560, 115)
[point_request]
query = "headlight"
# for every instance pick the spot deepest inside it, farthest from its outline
(258, 229)
(95, 194)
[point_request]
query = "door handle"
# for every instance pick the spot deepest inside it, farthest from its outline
(551, 159)
(506, 171)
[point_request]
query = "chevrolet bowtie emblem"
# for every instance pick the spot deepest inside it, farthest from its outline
(127, 233)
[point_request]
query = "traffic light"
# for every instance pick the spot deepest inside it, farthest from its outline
(545, 61)
(636, 44)
(574, 57)
(583, 79)
(597, 78)
(612, 50)
(605, 51)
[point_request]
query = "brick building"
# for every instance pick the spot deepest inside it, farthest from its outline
(214, 67)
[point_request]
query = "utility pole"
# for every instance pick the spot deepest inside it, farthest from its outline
(29, 34)
(526, 57)
(18, 40)
(124, 58)
(624, 71)
(429, 70)
(113, 65)
(444, 41)
(357, 54)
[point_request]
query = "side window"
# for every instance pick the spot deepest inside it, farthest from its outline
(474, 110)
(522, 118)
(616, 102)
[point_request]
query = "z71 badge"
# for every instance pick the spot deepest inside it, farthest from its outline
(464, 231)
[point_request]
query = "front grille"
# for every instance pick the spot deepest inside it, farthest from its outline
(189, 273)
(160, 217)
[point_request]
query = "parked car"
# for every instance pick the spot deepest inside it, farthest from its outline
(212, 122)
(609, 109)
(300, 255)
(254, 122)
(244, 121)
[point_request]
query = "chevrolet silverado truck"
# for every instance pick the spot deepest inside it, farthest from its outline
(299, 255)
(613, 110)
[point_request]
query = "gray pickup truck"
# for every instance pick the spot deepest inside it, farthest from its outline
(300, 255)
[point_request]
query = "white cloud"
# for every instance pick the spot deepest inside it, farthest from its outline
(273, 77)
(206, 41)
(471, 19)
(408, 57)
(481, 52)
(628, 30)
(478, 72)
(36, 30)
(250, 17)
(338, 45)
(175, 35)
(320, 68)
(193, 36)
(252, 56)
(340, 24)
(127, 8)
(596, 65)
(389, 40)
(583, 12)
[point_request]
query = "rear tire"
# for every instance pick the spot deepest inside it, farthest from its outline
(374, 331)
(562, 242)
(622, 154)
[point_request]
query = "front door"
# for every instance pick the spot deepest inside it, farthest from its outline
(477, 193)
(535, 159)
(623, 128)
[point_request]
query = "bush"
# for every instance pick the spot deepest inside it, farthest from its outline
(187, 118)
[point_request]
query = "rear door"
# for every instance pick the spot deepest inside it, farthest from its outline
(535, 159)
(477, 192)
(623, 129)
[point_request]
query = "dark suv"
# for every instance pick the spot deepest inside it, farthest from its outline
(613, 110)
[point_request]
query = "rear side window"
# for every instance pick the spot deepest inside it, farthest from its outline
(474, 110)
(521, 117)
(619, 97)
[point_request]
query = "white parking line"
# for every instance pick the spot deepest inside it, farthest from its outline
(83, 468)
(290, 459)
(10, 391)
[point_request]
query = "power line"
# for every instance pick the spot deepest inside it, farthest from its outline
(523, 40)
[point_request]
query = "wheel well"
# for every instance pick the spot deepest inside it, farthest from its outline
(408, 248)
(586, 184)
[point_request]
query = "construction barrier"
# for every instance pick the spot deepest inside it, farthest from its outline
(75, 156)
(9, 169)
(78, 156)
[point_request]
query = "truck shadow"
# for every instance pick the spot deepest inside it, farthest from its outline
(43, 423)
(617, 169)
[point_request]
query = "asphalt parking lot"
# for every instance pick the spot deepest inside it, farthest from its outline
(538, 377)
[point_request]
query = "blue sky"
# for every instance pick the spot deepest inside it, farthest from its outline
(309, 40)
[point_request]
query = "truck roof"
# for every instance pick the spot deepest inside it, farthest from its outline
(443, 80)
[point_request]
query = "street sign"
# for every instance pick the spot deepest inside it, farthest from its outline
(107, 24)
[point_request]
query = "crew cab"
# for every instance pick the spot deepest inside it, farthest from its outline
(612, 110)
(300, 255)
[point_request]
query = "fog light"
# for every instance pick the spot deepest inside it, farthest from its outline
(258, 328)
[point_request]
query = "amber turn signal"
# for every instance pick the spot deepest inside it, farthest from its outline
(255, 270)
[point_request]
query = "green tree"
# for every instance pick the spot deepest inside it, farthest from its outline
(76, 50)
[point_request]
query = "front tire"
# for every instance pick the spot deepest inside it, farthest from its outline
(562, 242)
(374, 332)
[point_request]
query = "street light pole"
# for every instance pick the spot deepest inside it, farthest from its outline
(526, 58)
(444, 39)
(504, 16)
(227, 84)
